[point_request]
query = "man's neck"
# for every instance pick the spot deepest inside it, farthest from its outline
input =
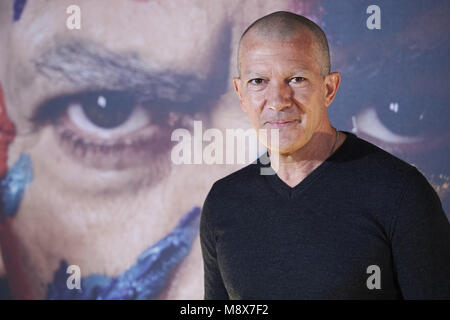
(294, 167)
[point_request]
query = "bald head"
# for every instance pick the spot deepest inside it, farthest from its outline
(283, 25)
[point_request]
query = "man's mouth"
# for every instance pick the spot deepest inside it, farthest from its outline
(281, 123)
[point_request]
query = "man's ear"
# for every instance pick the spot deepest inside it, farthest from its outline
(332, 82)
(238, 88)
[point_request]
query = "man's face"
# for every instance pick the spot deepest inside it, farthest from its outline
(94, 109)
(281, 87)
(98, 94)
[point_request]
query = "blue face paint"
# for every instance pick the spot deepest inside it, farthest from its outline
(18, 7)
(12, 187)
(144, 280)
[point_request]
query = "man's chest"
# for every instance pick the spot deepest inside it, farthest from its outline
(292, 251)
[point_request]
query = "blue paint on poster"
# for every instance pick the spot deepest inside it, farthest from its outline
(18, 7)
(144, 280)
(12, 187)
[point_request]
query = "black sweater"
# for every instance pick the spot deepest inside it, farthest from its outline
(262, 239)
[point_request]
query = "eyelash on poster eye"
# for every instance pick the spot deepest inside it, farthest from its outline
(135, 121)
(100, 116)
(127, 130)
(369, 123)
(52, 109)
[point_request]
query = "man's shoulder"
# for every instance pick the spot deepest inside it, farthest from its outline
(368, 159)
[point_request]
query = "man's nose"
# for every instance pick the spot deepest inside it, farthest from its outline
(279, 96)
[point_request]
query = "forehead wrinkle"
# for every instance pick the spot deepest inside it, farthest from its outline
(258, 50)
(303, 37)
(252, 41)
(286, 26)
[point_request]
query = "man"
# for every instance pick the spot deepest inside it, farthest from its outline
(340, 218)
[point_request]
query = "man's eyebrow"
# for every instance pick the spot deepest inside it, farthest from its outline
(91, 66)
(296, 71)
(252, 74)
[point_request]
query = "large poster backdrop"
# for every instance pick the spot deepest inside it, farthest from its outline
(91, 91)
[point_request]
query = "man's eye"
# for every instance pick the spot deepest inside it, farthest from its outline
(297, 80)
(409, 126)
(104, 129)
(256, 81)
(102, 114)
(107, 110)
(97, 112)
(107, 115)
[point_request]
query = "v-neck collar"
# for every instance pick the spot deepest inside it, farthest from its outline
(291, 192)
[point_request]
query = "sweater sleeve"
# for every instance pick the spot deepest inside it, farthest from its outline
(214, 288)
(420, 236)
